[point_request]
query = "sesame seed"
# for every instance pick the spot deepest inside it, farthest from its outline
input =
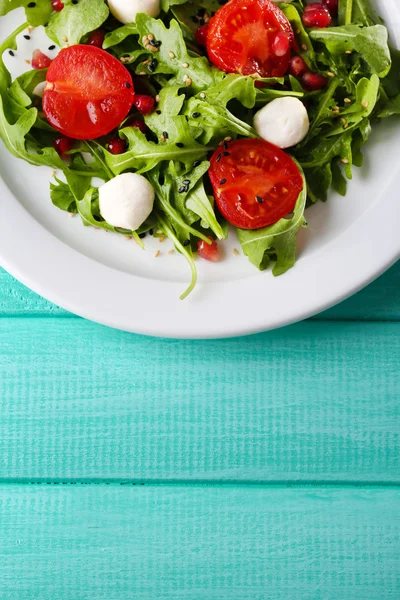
(182, 189)
(196, 115)
(52, 47)
(171, 54)
(64, 38)
(165, 134)
(27, 61)
(157, 254)
(188, 81)
(345, 161)
(128, 85)
(331, 74)
(186, 243)
(347, 100)
(161, 239)
(171, 252)
(179, 145)
(158, 98)
(222, 182)
(150, 36)
(236, 252)
(259, 199)
(227, 139)
(226, 154)
(219, 157)
(305, 47)
(186, 182)
(365, 104)
(202, 95)
(152, 48)
(145, 40)
(27, 37)
(185, 65)
(349, 51)
(11, 53)
(197, 163)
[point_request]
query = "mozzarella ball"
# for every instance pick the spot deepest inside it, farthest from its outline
(283, 122)
(126, 201)
(126, 10)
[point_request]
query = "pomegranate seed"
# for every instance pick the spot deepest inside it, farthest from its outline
(57, 5)
(317, 17)
(313, 81)
(62, 145)
(40, 60)
(209, 251)
(281, 44)
(139, 124)
(297, 66)
(332, 6)
(259, 84)
(96, 38)
(201, 35)
(116, 146)
(144, 104)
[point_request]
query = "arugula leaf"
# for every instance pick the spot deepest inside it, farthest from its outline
(173, 54)
(113, 38)
(278, 240)
(36, 15)
(143, 155)
(62, 196)
(370, 42)
(76, 20)
(169, 107)
(391, 107)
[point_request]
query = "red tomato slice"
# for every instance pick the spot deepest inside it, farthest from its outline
(242, 38)
(88, 92)
(255, 183)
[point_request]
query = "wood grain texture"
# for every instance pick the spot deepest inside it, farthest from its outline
(196, 543)
(317, 401)
(380, 301)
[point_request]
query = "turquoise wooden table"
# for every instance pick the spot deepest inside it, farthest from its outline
(259, 468)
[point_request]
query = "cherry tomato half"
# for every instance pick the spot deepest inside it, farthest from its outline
(88, 92)
(243, 35)
(255, 183)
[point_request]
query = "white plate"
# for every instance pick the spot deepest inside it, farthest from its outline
(107, 279)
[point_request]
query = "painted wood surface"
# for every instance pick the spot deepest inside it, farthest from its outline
(261, 468)
(318, 401)
(199, 543)
(379, 301)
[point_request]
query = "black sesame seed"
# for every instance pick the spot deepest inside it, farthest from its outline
(186, 243)
(31, 5)
(11, 53)
(165, 134)
(259, 199)
(128, 85)
(158, 112)
(151, 231)
(197, 163)
(142, 235)
(52, 47)
(222, 182)
(27, 37)
(179, 145)
(196, 115)
(210, 154)
(182, 189)
(74, 1)
(153, 65)
(226, 154)
(226, 145)
(154, 43)
(186, 182)
(219, 157)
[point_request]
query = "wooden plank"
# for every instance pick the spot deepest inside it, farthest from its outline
(380, 301)
(318, 401)
(199, 543)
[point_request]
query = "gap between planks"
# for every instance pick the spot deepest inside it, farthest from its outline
(204, 483)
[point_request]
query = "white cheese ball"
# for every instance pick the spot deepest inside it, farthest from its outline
(126, 201)
(126, 10)
(283, 122)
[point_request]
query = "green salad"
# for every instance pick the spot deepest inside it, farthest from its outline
(178, 119)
